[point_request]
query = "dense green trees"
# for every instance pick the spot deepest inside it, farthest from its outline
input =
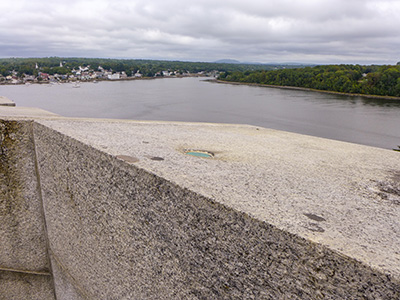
(355, 79)
(148, 68)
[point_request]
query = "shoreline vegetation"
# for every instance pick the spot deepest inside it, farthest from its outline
(59, 69)
(374, 81)
(370, 81)
(99, 80)
(304, 89)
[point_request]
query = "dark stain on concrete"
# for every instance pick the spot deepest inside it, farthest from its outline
(157, 158)
(390, 188)
(10, 181)
(128, 159)
(314, 227)
(314, 217)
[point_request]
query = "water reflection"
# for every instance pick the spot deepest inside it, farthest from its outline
(368, 121)
(380, 102)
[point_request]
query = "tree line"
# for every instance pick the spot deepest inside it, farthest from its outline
(149, 68)
(383, 80)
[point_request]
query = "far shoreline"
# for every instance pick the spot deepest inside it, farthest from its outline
(75, 80)
(214, 80)
(306, 89)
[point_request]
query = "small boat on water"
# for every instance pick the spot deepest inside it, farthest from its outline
(76, 85)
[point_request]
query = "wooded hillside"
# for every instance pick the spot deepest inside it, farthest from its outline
(355, 79)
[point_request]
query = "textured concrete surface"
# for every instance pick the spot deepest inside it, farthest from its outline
(22, 237)
(273, 215)
(129, 215)
(24, 265)
(65, 287)
(6, 102)
(24, 286)
(342, 195)
(7, 112)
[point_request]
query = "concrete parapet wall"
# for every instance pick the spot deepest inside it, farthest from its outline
(122, 232)
(24, 263)
(118, 231)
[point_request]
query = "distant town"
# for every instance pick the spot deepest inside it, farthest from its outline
(87, 73)
(56, 69)
(373, 80)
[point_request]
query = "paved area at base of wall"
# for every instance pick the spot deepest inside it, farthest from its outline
(25, 286)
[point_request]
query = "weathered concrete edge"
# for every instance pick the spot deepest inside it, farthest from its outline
(6, 102)
(25, 270)
(221, 207)
(65, 287)
(15, 285)
(24, 113)
(128, 166)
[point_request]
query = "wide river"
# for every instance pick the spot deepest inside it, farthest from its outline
(353, 119)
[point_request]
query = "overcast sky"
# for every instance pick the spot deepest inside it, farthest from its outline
(306, 31)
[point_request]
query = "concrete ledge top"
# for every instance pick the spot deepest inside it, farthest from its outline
(7, 112)
(344, 196)
(6, 102)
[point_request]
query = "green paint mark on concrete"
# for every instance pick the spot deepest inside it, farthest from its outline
(200, 153)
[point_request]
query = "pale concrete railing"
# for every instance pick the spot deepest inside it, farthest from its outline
(80, 223)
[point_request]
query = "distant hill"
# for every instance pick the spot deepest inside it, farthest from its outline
(233, 61)
(228, 61)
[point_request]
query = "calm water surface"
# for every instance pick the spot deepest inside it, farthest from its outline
(353, 119)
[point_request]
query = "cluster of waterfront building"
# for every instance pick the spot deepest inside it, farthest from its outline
(88, 74)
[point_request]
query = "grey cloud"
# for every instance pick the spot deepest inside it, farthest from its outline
(353, 31)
